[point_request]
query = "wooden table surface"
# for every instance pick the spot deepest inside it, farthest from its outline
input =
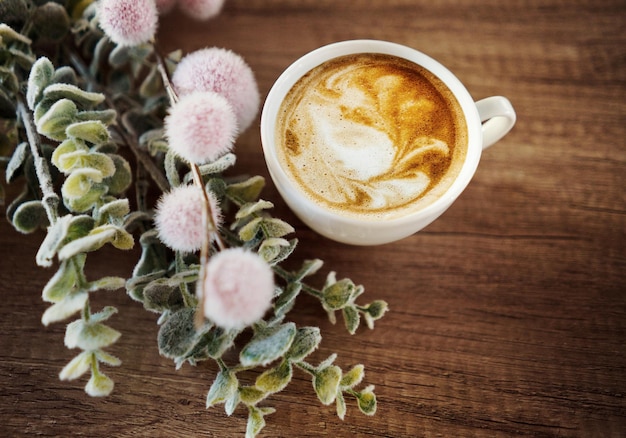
(507, 315)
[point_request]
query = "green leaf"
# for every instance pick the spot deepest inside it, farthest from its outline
(99, 385)
(80, 182)
(64, 75)
(83, 160)
(79, 226)
(107, 358)
(375, 311)
(250, 395)
(152, 85)
(351, 318)
(366, 401)
(220, 340)
(77, 366)
(96, 239)
(286, 299)
(30, 216)
(62, 283)
(71, 92)
(92, 131)
(89, 336)
(106, 116)
(271, 248)
(55, 237)
(353, 377)
(309, 267)
(54, 122)
(86, 202)
(274, 227)
(220, 165)
(20, 154)
(250, 230)
(114, 211)
(341, 405)
(160, 295)
(338, 295)
(268, 344)
(223, 388)
(40, 77)
(275, 379)
(252, 208)
(326, 383)
(122, 177)
(246, 191)
(305, 342)
(177, 334)
(65, 308)
(8, 34)
(256, 420)
(67, 147)
(102, 315)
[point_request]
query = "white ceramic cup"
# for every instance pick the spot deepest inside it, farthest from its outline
(488, 120)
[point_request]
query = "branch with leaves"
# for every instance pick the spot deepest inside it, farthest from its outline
(90, 111)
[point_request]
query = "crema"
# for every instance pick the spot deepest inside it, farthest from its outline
(371, 135)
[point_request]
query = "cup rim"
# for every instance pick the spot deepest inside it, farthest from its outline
(312, 59)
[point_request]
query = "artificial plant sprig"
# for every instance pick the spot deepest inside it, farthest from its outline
(212, 254)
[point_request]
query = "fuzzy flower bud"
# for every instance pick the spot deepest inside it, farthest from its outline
(201, 9)
(201, 127)
(238, 288)
(128, 22)
(223, 72)
(178, 218)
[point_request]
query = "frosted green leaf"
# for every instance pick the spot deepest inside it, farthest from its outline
(58, 117)
(338, 295)
(353, 377)
(61, 284)
(161, 294)
(92, 131)
(326, 383)
(107, 358)
(83, 98)
(250, 230)
(56, 234)
(309, 267)
(341, 405)
(246, 191)
(80, 226)
(99, 385)
(220, 165)
(80, 160)
(271, 248)
(375, 311)
(351, 318)
(251, 395)
(65, 75)
(305, 342)
(96, 239)
(275, 379)
(29, 217)
(106, 116)
(152, 85)
(77, 366)
(256, 420)
(86, 202)
(223, 388)
(122, 177)
(252, 208)
(39, 78)
(220, 340)
(107, 283)
(177, 334)
(20, 154)
(102, 315)
(114, 210)
(64, 308)
(89, 336)
(268, 344)
(80, 182)
(275, 227)
(366, 401)
(67, 147)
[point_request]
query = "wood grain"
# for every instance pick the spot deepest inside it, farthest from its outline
(508, 314)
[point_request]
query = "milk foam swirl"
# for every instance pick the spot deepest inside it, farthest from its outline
(367, 134)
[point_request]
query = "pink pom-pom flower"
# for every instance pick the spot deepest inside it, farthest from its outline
(178, 218)
(224, 72)
(238, 288)
(201, 9)
(128, 22)
(201, 127)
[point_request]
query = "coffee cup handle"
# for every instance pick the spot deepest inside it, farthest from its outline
(498, 117)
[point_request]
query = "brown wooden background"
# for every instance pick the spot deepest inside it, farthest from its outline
(508, 314)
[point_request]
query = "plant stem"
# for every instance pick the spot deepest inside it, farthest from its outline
(49, 197)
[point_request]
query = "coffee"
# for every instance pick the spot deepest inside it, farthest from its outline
(371, 135)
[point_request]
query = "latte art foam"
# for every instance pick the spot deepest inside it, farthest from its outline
(371, 134)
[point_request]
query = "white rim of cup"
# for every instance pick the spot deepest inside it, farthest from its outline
(312, 59)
